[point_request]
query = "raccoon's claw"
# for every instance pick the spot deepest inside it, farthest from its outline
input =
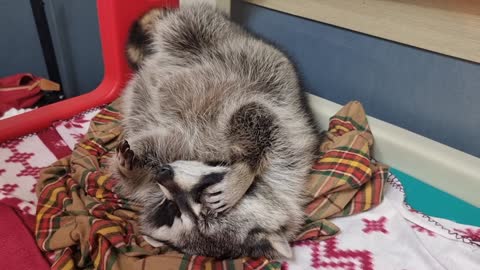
(221, 197)
(216, 203)
(125, 155)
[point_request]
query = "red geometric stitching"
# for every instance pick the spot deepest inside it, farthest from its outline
(26, 210)
(2, 171)
(77, 136)
(18, 157)
(11, 144)
(8, 189)
(316, 255)
(33, 190)
(471, 233)
(331, 257)
(421, 229)
(375, 225)
(22, 158)
(29, 171)
(76, 122)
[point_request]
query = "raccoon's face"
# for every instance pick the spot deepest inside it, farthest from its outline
(182, 184)
(174, 210)
(177, 217)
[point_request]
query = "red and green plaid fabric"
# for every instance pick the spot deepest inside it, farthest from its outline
(87, 225)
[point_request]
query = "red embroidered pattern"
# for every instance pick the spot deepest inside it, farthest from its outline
(29, 170)
(471, 233)
(8, 189)
(22, 158)
(375, 225)
(326, 254)
(419, 228)
(76, 122)
(77, 136)
(19, 157)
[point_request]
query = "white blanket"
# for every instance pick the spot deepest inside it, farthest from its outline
(390, 236)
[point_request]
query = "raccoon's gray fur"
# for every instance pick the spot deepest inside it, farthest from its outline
(219, 138)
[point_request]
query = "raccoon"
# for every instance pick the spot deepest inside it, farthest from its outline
(219, 140)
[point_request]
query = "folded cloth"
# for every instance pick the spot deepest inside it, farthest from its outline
(392, 236)
(19, 91)
(18, 249)
(87, 225)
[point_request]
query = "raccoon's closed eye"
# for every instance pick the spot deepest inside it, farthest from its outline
(205, 182)
(215, 163)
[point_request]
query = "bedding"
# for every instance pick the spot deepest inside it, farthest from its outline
(79, 215)
(380, 238)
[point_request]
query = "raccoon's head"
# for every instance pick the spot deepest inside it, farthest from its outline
(179, 219)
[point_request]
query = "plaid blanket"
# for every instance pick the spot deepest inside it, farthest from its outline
(87, 225)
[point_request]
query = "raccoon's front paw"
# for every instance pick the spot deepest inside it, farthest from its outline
(126, 158)
(221, 197)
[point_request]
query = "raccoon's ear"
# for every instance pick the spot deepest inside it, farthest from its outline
(281, 245)
(140, 37)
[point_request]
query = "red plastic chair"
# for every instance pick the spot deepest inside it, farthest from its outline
(115, 18)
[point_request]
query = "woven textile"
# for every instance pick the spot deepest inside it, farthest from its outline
(87, 225)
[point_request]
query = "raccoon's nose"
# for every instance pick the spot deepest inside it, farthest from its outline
(166, 172)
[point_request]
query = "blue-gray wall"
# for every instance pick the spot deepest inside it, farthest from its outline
(76, 38)
(430, 94)
(74, 29)
(20, 49)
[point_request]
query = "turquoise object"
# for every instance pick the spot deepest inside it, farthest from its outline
(437, 203)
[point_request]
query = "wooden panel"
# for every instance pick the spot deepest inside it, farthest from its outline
(450, 27)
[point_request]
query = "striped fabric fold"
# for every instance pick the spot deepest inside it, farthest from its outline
(87, 225)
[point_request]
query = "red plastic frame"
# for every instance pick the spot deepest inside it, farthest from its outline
(115, 18)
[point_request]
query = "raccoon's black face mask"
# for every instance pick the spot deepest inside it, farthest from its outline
(175, 216)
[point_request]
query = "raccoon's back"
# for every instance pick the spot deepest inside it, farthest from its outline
(193, 58)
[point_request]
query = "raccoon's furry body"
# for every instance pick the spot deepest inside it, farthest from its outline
(206, 91)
